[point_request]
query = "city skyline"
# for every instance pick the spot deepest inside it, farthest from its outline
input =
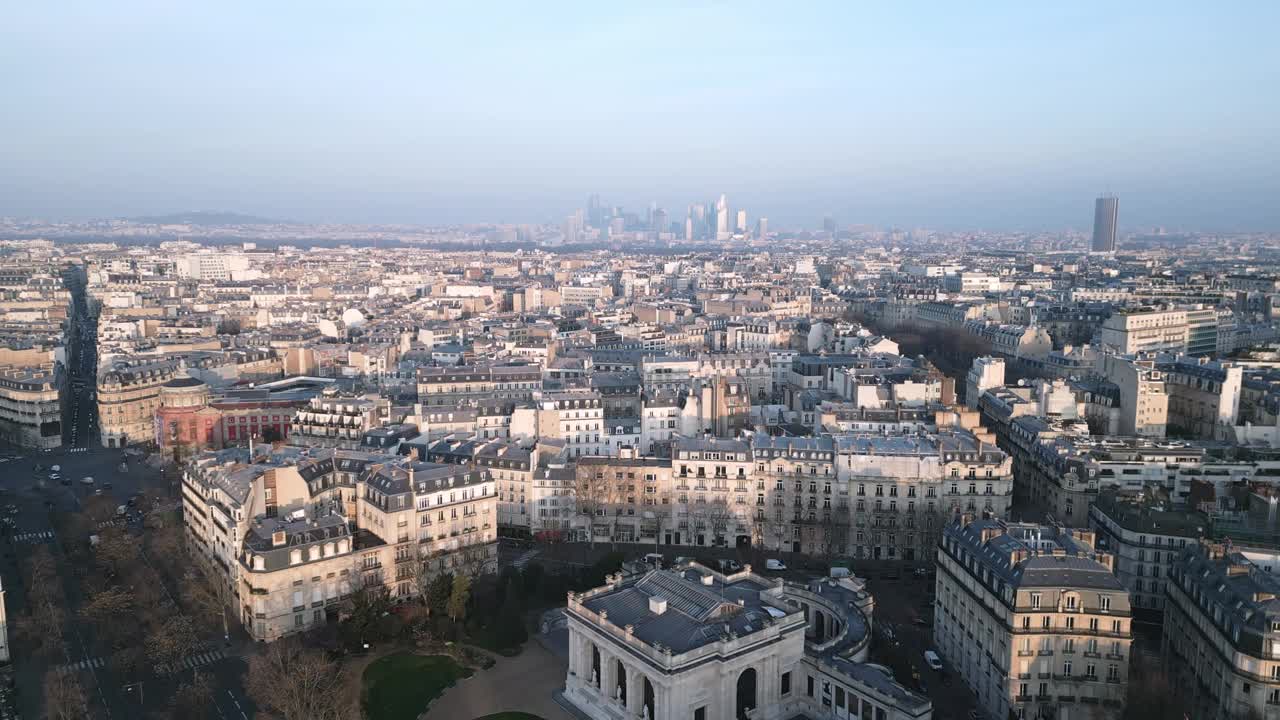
(422, 115)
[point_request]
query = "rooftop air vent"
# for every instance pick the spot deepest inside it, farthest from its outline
(657, 604)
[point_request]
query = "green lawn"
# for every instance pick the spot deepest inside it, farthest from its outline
(399, 686)
(510, 716)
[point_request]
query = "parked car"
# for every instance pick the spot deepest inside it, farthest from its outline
(653, 558)
(839, 572)
(932, 659)
(774, 564)
(87, 480)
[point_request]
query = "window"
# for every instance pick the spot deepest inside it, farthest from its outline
(700, 713)
(1071, 602)
(810, 685)
(1066, 668)
(1035, 601)
(786, 683)
(1104, 602)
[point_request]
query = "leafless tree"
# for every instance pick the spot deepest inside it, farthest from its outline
(173, 641)
(295, 683)
(64, 698)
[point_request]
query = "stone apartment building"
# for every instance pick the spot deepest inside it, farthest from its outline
(288, 532)
(1032, 619)
(1146, 541)
(128, 397)
(1222, 632)
(902, 489)
(30, 406)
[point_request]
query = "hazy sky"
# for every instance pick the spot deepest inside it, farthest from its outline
(953, 115)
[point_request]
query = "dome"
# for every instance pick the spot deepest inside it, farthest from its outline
(352, 317)
(184, 382)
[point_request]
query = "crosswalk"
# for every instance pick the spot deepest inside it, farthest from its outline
(524, 559)
(195, 661)
(34, 537)
(86, 664)
(78, 449)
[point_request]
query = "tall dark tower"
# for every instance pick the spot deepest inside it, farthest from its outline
(1105, 213)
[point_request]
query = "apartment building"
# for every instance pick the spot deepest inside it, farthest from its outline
(902, 489)
(1032, 619)
(575, 416)
(629, 499)
(128, 397)
(333, 421)
(455, 386)
(799, 502)
(1146, 540)
(1145, 330)
(274, 527)
(30, 406)
(713, 480)
(1222, 633)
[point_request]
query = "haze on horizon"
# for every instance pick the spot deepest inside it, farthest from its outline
(995, 116)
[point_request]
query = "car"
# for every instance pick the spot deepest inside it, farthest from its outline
(107, 485)
(920, 572)
(839, 572)
(932, 660)
(683, 559)
(728, 566)
(87, 480)
(651, 558)
(774, 564)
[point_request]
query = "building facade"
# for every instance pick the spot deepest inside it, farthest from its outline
(1032, 619)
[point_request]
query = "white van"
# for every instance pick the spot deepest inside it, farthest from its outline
(654, 559)
(772, 564)
(839, 572)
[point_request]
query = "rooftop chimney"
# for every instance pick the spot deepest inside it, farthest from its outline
(657, 604)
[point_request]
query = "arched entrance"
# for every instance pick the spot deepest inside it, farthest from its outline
(649, 709)
(746, 693)
(595, 667)
(621, 673)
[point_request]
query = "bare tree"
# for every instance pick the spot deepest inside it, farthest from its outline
(193, 699)
(64, 698)
(293, 682)
(173, 641)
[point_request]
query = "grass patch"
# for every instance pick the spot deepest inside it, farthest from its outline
(399, 686)
(510, 716)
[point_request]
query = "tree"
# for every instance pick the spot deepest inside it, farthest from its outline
(115, 549)
(205, 598)
(64, 698)
(293, 682)
(229, 326)
(364, 606)
(458, 597)
(108, 605)
(193, 700)
(509, 628)
(173, 641)
(437, 593)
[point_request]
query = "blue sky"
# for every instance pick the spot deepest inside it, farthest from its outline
(988, 115)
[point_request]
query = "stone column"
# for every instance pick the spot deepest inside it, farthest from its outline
(635, 692)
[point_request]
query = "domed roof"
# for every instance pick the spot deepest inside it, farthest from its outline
(184, 382)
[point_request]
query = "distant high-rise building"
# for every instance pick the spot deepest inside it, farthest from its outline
(722, 218)
(688, 229)
(829, 225)
(658, 221)
(595, 214)
(741, 225)
(1105, 212)
(762, 227)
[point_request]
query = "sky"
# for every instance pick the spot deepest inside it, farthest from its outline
(991, 115)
